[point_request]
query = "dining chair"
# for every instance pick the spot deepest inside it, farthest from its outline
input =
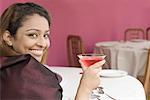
(134, 33)
(146, 78)
(148, 33)
(74, 47)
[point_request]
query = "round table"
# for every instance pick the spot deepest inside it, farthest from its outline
(120, 88)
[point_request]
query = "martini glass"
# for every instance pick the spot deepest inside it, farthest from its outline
(90, 59)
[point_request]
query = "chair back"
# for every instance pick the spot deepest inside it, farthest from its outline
(146, 82)
(134, 33)
(148, 33)
(74, 47)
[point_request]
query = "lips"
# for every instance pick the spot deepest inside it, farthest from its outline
(37, 52)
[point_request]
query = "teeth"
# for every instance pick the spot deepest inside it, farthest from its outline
(37, 52)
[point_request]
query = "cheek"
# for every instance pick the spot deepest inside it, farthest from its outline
(48, 43)
(24, 46)
(19, 48)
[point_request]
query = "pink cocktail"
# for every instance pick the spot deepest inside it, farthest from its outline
(90, 59)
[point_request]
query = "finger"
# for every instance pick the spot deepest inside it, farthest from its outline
(97, 70)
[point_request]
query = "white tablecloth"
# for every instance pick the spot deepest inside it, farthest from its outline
(121, 88)
(130, 56)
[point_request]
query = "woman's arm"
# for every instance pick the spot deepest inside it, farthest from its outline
(89, 80)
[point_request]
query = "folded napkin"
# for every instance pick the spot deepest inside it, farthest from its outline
(23, 78)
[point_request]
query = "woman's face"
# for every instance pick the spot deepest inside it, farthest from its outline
(32, 37)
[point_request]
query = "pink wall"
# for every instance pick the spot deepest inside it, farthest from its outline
(93, 20)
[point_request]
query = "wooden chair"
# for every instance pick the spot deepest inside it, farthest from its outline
(74, 47)
(146, 78)
(134, 33)
(148, 33)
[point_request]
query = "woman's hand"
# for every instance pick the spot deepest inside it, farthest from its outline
(90, 77)
(89, 80)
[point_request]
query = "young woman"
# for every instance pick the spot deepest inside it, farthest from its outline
(24, 41)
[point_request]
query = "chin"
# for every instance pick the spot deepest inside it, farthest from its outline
(38, 58)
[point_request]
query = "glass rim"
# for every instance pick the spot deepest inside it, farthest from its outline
(91, 54)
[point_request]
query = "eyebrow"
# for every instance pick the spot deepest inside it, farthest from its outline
(32, 29)
(37, 30)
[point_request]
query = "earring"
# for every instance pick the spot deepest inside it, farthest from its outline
(9, 43)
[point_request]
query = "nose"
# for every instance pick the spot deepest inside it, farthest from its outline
(41, 42)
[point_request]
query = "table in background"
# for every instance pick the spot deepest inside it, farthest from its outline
(121, 88)
(130, 56)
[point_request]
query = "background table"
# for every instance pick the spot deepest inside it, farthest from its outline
(130, 56)
(121, 88)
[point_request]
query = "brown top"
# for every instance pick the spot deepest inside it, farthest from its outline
(24, 78)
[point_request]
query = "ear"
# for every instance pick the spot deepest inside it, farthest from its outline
(7, 38)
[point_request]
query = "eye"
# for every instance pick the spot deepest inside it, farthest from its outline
(46, 36)
(33, 35)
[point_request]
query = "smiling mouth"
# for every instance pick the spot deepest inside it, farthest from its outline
(36, 52)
